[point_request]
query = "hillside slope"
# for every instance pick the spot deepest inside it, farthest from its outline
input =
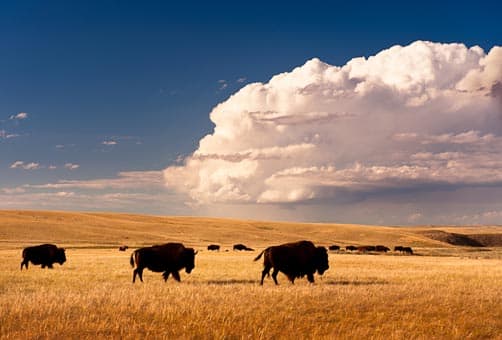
(111, 229)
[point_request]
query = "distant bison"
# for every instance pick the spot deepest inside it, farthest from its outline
(334, 247)
(123, 248)
(381, 248)
(364, 249)
(213, 247)
(44, 254)
(168, 258)
(295, 260)
(241, 246)
(407, 250)
(351, 248)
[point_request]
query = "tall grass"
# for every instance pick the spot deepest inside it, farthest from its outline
(391, 297)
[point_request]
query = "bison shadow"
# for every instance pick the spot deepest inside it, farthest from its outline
(231, 282)
(368, 282)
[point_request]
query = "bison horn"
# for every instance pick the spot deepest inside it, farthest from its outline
(196, 252)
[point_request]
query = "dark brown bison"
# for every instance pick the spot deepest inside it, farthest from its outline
(240, 246)
(213, 247)
(334, 247)
(295, 260)
(364, 249)
(168, 258)
(44, 254)
(407, 250)
(123, 248)
(398, 248)
(381, 248)
(351, 248)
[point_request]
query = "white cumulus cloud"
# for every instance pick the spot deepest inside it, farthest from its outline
(411, 116)
(19, 116)
(25, 166)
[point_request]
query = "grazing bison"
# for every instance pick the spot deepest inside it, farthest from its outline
(168, 258)
(44, 254)
(123, 248)
(213, 247)
(364, 249)
(351, 248)
(382, 248)
(295, 260)
(241, 246)
(334, 247)
(398, 248)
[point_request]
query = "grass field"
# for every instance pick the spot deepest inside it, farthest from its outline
(444, 292)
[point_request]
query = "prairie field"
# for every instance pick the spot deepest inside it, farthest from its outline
(444, 291)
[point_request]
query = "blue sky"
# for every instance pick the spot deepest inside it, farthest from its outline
(113, 87)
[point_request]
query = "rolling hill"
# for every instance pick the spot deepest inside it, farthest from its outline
(82, 229)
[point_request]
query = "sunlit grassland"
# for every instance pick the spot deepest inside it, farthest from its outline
(371, 296)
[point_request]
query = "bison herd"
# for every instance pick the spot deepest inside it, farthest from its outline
(378, 248)
(295, 260)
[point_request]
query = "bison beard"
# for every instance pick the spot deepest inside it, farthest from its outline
(44, 254)
(168, 258)
(294, 260)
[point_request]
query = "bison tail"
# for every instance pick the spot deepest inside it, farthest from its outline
(131, 261)
(259, 256)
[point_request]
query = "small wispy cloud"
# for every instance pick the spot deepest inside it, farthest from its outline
(71, 166)
(19, 116)
(5, 135)
(241, 80)
(25, 166)
(109, 142)
(223, 84)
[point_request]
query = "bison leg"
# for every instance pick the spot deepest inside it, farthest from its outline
(265, 272)
(50, 266)
(139, 272)
(310, 277)
(43, 265)
(274, 275)
(176, 276)
(25, 263)
(165, 275)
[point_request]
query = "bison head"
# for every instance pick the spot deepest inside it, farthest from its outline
(189, 259)
(321, 260)
(60, 256)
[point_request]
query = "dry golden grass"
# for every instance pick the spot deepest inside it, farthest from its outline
(370, 296)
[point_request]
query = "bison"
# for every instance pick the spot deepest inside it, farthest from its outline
(382, 248)
(123, 248)
(168, 258)
(213, 247)
(351, 248)
(44, 254)
(364, 249)
(398, 248)
(334, 247)
(295, 260)
(240, 246)
(407, 250)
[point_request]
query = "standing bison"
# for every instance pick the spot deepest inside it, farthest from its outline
(213, 247)
(168, 258)
(44, 254)
(295, 260)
